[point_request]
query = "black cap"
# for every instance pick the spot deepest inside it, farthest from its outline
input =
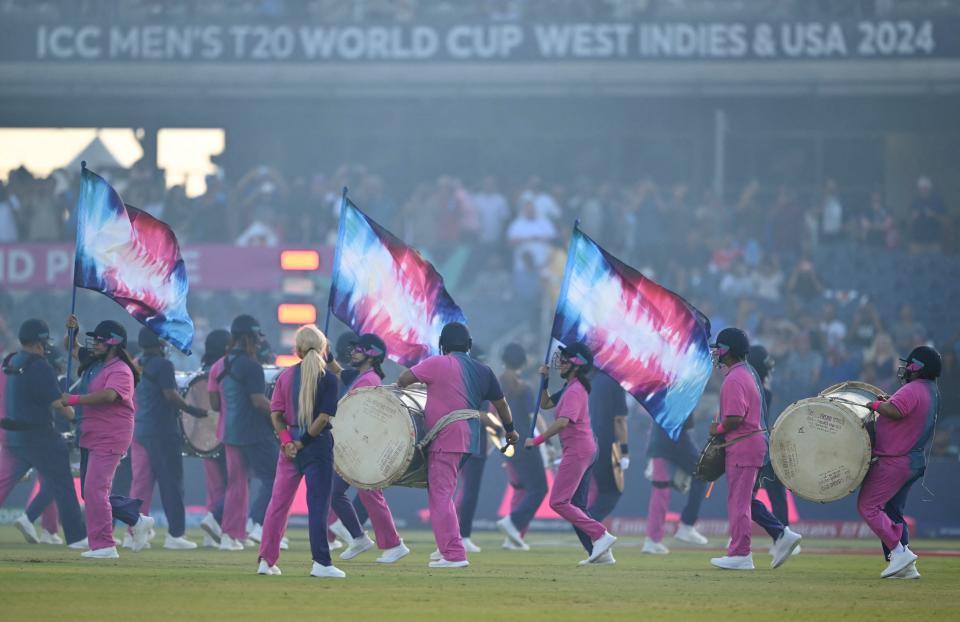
(760, 359)
(113, 333)
(216, 344)
(578, 350)
(148, 339)
(455, 336)
(245, 325)
(34, 330)
(514, 356)
(372, 346)
(924, 361)
(734, 341)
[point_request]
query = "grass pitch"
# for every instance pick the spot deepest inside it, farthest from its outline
(39, 582)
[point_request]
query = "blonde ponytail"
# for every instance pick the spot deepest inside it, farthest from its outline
(311, 345)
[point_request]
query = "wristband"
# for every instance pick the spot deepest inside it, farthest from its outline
(721, 429)
(538, 440)
(508, 427)
(285, 437)
(73, 400)
(624, 449)
(875, 405)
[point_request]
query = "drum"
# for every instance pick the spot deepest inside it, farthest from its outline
(820, 447)
(200, 434)
(376, 432)
(712, 462)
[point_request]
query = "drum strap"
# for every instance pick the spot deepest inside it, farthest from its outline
(742, 438)
(455, 416)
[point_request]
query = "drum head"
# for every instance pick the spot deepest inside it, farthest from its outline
(820, 449)
(859, 392)
(375, 437)
(200, 435)
(712, 463)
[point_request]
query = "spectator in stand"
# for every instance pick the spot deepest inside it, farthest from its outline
(832, 329)
(528, 289)
(865, 327)
(375, 202)
(927, 218)
(738, 282)
(493, 211)
(801, 372)
(207, 219)
(831, 213)
(544, 203)
(768, 278)
(876, 224)
(9, 205)
(262, 231)
(840, 365)
(907, 330)
(788, 225)
(531, 233)
(882, 356)
(804, 283)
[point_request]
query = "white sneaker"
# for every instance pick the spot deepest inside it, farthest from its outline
(250, 544)
(736, 562)
(469, 546)
(127, 541)
(690, 535)
(510, 530)
(212, 528)
(899, 560)
(330, 571)
(229, 544)
(79, 545)
(442, 563)
(179, 544)
(335, 545)
(341, 532)
(141, 532)
(209, 543)
(360, 545)
(264, 569)
(654, 548)
(391, 555)
(284, 543)
(256, 534)
(151, 535)
(604, 560)
(49, 538)
(602, 544)
(436, 556)
(108, 552)
(910, 572)
(510, 545)
(25, 527)
(783, 547)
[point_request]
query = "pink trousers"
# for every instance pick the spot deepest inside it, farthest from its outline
(141, 486)
(237, 497)
(740, 482)
(569, 475)
(442, 469)
(285, 486)
(381, 518)
(884, 479)
(101, 467)
(659, 500)
(216, 486)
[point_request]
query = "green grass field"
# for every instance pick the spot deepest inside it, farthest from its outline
(40, 582)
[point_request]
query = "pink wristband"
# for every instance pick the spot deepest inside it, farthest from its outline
(720, 429)
(73, 400)
(538, 440)
(285, 437)
(875, 405)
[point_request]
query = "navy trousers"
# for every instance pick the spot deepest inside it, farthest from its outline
(261, 460)
(894, 509)
(360, 509)
(527, 474)
(759, 512)
(607, 492)
(166, 462)
(52, 462)
(124, 509)
(344, 509)
(315, 461)
(471, 476)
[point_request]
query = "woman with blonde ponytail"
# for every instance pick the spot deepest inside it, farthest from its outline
(304, 401)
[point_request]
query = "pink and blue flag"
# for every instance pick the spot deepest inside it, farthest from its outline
(647, 338)
(132, 258)
(382, 286)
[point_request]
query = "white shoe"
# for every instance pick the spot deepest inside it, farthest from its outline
(49, 538)
(284, 543)
(910, 572)
(436, 556)
(654, 548)
(442, 563)
(179, 544)
(335, 545)
(601, 545)
(359, 545)
(391, 555)
(510, 545)
(899, 560)
(341, 532)
(25, 527)
(604, 560)
(151, 535)
(264, 569)
(783, 547)
(209, 543)
(510, 530)
(141, 532)
(79, 545)
(256, 534)
(469, 546)
(108, 552)
(212, 528)
(247, 542)
(690, 535)
(127, 541)
(736, 562)
(330, 571)
(229, 544)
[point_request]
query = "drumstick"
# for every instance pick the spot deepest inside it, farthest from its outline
(709, 490)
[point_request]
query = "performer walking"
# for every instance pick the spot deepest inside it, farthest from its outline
(572, 424)
(454, 382)
(214, 469)
(156, 447)
(471, 471)
(303, 403)
(608, 418)
(741, 424)
(905, 426)
(107, 383)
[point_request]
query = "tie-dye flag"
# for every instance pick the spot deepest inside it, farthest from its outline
(132, 258)
(647, 338)
(382, 286)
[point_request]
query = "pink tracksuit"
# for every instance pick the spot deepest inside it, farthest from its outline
(659, 500)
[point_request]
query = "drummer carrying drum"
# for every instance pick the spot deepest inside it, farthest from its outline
(904, 428)
(741, 424)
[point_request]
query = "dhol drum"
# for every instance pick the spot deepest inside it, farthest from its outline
(820, 447)
(376, 434)
(712, 462)
(200, 434)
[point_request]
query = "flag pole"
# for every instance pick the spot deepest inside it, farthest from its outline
(343, 205)
(546, 360)
(71, 333)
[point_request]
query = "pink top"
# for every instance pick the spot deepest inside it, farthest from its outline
(916, 401)
(740, 397)
(213, 386)
(109, 427)
(577, 437)
(282, 399)
(368, 378)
